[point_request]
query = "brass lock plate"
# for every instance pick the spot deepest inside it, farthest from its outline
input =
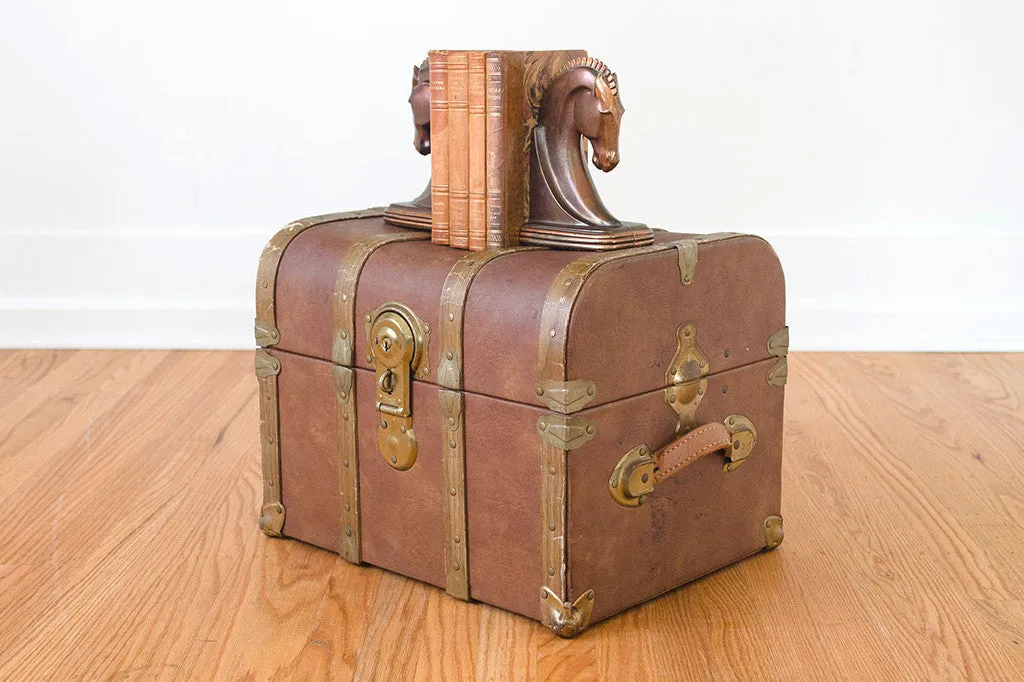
(397, 339)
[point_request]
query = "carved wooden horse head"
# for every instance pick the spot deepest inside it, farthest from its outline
(419, 100)
(582, 100)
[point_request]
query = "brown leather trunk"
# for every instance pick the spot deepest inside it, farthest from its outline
(579, 419)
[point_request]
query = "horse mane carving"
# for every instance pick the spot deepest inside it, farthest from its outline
(416, 212)
(581, 101)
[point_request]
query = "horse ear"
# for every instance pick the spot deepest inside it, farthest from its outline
(415, 75)
(604, 95)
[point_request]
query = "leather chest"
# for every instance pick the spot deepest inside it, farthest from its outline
(560, 434)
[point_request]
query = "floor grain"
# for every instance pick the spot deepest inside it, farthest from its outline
(129, 483)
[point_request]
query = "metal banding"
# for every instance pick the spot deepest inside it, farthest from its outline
(350, 546)
(266, 275)
(272, 511)
(453, 421)
(554, 332)
(344, 310)
(344, 305)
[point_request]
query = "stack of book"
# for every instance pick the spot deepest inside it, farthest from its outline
(483, 107)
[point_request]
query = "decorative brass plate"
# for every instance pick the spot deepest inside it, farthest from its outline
(397, 339)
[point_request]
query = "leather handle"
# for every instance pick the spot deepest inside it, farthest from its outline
(680, 453)
(636, 473)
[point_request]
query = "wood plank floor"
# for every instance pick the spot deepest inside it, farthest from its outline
(129, 483)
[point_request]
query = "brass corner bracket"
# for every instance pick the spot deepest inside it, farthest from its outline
(272, 519)
(566, 619)
(778, 346)
(566, 432)
(773, 532)
(566, 396)
(266, 334)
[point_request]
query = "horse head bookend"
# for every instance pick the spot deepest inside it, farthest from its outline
(416, 212)
(581, 102)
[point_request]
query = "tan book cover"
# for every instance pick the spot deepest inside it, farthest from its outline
(439, 183)
(515, 86)
(477, 151)
(458, 148)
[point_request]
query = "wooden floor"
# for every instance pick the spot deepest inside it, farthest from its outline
(129, 483)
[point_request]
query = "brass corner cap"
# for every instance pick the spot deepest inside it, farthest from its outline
(272, 519)
(566, 619)
(773, 532)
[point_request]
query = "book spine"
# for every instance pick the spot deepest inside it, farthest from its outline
(439, 183)
(495, 134)
(477, 152)
(515, 171)
(458, 149)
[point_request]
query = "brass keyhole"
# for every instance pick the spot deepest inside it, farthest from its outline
(385, 345)
(387, 381)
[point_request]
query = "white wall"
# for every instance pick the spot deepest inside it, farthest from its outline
(148, 151)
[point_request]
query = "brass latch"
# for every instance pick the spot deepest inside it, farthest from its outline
(398, 350)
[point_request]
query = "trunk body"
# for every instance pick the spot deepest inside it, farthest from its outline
(539, 371)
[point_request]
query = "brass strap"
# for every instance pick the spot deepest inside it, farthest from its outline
(267, 333)
(344, 310)
(348, 472)
(554, 331)
(344, 307)
(272, 511)
(453, 421)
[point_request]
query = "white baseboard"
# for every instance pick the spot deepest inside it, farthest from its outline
(194, 289)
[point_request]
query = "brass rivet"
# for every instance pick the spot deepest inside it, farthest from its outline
(735, 445)
(369, 359)
(687, 331)
(344, 395)
(367, 318)
(451, 317)
(543, 594)
(644, 478)
(590, 390)
(457, 539)
(732, 421)
(568, 281)
(383, 424)
(551, 571)
(348, 531)
(552, 471)
(402, 429)
(551, 526)
(643, 449)
(394, 460)
(426, 371)
(426, 328)
(543, 425)
(590, 596)
(671, 370)
(672, 398)
(343, 334)
(345, 463)
(590, 428)
(551, 333)
(539, 391)
(687, 277)
(726, 353)
(614, 482)
(451, 421)
(266, 285)
(344, 298)
(725, 389)
(700, 390)
(450, 355)
(451, 491)
(455, 567)
(451, 444)
(348, 507)
(344, 415)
